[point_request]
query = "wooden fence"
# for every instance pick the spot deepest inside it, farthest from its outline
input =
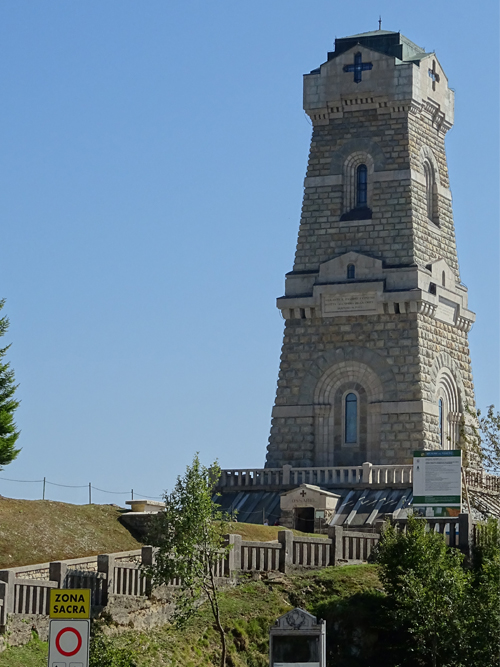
(122, 574)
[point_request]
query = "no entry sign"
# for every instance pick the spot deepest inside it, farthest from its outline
(69, 643)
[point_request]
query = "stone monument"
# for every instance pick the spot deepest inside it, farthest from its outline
(297, 640)
(375, 359)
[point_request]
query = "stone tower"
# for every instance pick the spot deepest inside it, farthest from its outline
(375, 359)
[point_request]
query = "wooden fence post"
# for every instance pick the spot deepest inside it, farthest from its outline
(106, 564)
(148, 560)
(336, 534)
(465, 533)
(9, 592)
(57, 573)
(3, 616)
(285, 538)
(233, 562)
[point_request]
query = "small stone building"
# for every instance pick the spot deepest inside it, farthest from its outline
(308, 508)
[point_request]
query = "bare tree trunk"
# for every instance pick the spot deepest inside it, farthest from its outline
(214, 602)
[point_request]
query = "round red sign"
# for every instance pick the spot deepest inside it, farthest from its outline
(74, 651)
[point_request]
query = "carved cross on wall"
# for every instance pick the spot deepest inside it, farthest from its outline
(303, 493)
(358, 67)
(434, 75)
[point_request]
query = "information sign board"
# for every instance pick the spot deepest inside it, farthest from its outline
(437, 482)
(69, 603)
(69, 643)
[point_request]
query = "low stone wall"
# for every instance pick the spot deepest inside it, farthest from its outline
(138, 612)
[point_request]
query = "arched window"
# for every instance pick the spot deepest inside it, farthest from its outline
(441, 424)
(351, 271)
(449, 411)
(351, 418)
(361, 186)
(358, 186)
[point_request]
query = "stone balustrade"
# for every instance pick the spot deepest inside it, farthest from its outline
(287, 476)
(480, 480)
(366, 474)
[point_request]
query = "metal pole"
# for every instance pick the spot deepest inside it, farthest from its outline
(43, 494)
(132, 494)
(90, 493)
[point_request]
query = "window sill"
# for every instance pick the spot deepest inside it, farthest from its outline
(362, 213)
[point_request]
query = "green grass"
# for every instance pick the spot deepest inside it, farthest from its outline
(33, 654)
(248, 611)
(38, 531)
(254, 532)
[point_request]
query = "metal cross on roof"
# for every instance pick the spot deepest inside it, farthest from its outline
(358, 67)
(434, 75)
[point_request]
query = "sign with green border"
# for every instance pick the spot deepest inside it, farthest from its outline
(437, 482)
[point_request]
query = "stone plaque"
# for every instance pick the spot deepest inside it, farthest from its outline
(333, 304)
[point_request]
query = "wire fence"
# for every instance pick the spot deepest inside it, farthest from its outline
(44, 483)
(255, 516)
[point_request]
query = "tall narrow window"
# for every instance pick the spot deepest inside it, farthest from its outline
(441, 417)
(361, 186)
(443, 279)
(429, 190)
(351, 271)
(351, 418)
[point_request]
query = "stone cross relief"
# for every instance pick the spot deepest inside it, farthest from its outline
(434, 75)
(303, 493)
(358, 68)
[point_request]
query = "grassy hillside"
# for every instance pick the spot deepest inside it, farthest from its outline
(39, 531)
(349, 598)
(256, 533)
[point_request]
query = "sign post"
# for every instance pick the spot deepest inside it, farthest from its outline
(437, 483)
(69, 629)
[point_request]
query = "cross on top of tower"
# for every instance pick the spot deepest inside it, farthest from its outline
(434, 75)
(358, 67)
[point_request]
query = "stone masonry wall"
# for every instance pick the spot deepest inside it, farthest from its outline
(437, 339)
(394, 338)
(388, 235)
(431, 241)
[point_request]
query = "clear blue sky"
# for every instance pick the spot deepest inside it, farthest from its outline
(152, 159)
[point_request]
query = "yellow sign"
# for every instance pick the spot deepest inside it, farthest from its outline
(69, 603)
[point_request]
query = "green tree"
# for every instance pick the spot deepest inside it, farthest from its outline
(483, 617)
(189, 536)
(8, 404)
(482, 437)
(427, 588)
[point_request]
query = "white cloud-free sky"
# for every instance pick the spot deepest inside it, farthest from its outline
(152, 157)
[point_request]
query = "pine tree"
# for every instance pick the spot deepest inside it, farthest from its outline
(8, 404)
